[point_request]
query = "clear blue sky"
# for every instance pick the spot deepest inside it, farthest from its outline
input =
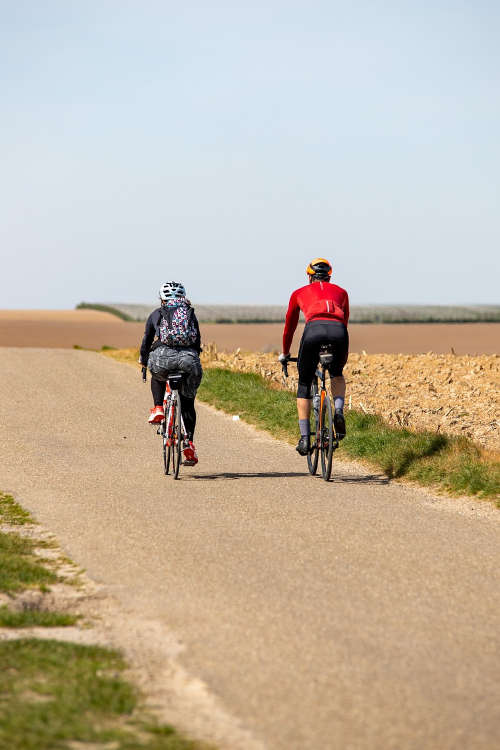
(225, 144)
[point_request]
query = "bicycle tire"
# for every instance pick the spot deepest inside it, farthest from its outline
(166, 448)
(177, 434)
(327, 438)
(313, 457)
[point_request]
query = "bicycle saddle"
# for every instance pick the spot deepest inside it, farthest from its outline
(175, 380)
(325, 356)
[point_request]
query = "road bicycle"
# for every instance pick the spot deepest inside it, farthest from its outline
(323, 428)
(171, 428)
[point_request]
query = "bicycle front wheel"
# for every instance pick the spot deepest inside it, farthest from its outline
(312, 458)
(167, 448)
(177, 437)
(326, 438)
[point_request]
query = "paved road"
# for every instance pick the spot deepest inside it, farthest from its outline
(354, 615)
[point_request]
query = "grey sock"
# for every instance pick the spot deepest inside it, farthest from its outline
(304, 427)
(339, 403)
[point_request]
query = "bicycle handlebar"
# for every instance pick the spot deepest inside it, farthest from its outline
(144, 371)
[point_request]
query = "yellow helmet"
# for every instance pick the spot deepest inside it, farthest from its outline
(320, 268)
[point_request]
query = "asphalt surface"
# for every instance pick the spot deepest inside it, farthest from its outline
(352, 615)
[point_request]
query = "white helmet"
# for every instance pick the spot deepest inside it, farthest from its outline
(172, 290)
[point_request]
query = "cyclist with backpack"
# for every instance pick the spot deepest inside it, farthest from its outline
(172, 343)
(326, 310)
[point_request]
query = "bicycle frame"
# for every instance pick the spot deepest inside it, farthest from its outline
(172, 430)
(326, 441)
(172, 435)
(168, 409)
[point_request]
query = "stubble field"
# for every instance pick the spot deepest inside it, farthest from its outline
(447, 393)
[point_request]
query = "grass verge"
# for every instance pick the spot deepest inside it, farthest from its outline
(450, 463)
(12, 513)
(30, 618)
(58, 695)
(19, 566)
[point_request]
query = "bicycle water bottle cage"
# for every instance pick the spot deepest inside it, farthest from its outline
(175, 380)
(325, 356)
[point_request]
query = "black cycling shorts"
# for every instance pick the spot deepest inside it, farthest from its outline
(316, 334)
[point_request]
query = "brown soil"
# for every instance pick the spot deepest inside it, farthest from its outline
(410, 338)
(92, 329)
(444, 393)
(65, 329)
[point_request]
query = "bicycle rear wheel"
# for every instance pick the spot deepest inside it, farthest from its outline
(326, 438)
(312, 458)
(176, 436)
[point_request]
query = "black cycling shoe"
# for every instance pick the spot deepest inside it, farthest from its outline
(304, 445)
(339, 423)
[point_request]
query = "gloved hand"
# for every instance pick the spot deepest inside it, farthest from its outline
(283, 357)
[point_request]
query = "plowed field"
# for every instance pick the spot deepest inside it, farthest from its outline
(92, 329)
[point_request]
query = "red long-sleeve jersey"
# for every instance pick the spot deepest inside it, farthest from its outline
(320, 300)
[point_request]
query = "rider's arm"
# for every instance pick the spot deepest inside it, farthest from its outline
(292, 318)
(346, 309)
(197, 343)
(149, 334)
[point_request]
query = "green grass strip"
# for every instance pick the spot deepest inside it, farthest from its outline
(11, 512)
(54, 694)
(451, 463)
(19, 566)
(30, 618)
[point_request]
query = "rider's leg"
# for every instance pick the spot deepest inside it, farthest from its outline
(190, 457)
(189, 363)
(188, 415)
(303, 411)
(306, 365)
(337, 383)
(303, 407)
(158, 391)
(338, 395)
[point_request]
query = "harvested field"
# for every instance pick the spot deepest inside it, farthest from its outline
(92, 329)
(411, 338)
(66, 328)
(452, 394)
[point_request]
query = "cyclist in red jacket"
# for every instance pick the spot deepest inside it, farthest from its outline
(326, 310)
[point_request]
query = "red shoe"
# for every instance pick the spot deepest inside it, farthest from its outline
(157, 415)
(189, 454)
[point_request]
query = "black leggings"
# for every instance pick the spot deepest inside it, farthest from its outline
(316, 334)
(187, 405)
